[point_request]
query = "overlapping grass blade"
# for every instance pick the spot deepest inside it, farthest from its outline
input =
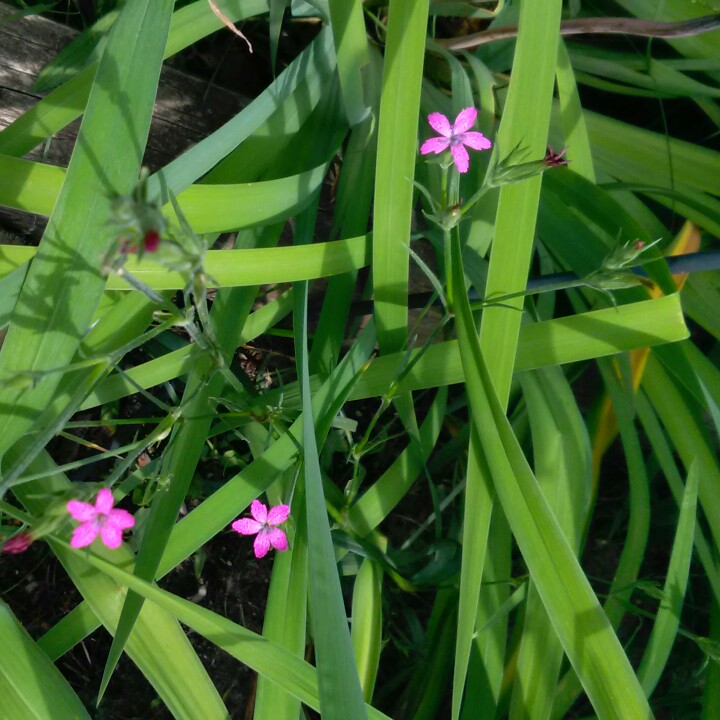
(31, 686)
(563, 340)
(561, 452)
(341, 695)
(64, 285)
(157, 645)
(667, 621)
(581, 625)
(67, 102)
(283, 668)
(34, 187)
(397, 147)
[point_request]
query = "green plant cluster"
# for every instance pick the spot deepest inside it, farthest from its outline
(447, 470)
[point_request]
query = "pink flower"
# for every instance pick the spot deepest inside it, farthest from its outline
(263, 524)
(18, 543)
(99, 519)
(455, 137)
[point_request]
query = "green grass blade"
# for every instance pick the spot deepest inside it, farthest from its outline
(581, 625)
(562, 459)
(68, 631)
(158, 645)
(578, 337)
(31, 686)
(283, 668)
(341, 695)
(680, 416)
(34, 187)
(573, 120)
(667, 621)
(351, 47)
(105, 162)
(638, 525)
(564, 340)
(67, 102)
(378, 501)
(285, 622)
(366, 624)
(397, 148)
(531, 86)
(479, 499)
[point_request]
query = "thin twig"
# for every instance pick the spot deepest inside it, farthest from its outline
(595, 26)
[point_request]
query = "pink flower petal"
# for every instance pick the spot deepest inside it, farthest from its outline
(464, 121)
(261, 544)
(111, 536)
(434, 145)
(246, 526)
(440, 124)
(120, 519)
(461, 158)
(258, 511)
(83, 535)
(104, 501)
(476, 141)
(278, 514)
(277, 538)
(81, 511)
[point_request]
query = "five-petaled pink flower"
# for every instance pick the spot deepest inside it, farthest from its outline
(455, 137)
(263, 523)
(99, 519)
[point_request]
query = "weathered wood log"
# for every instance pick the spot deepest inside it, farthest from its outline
(186, 110)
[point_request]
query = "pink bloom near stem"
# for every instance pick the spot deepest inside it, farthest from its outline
(18, 543)
(455, 137)
(152, 241)
(99, 519)
(263, 523)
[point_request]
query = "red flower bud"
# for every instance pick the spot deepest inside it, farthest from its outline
(18, 544)
(151, 241)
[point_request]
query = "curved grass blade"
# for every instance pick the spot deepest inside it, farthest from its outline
(35, 187)
(282, 667)
(581, 625)
(31, 686)
(67, 102)
(158, 644)
(575, 338)
(667, 621)
(64, 284)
